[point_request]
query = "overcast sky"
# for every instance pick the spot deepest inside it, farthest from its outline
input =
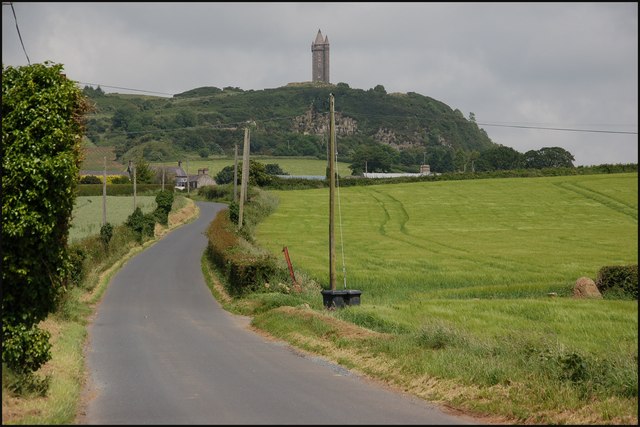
(517, 65)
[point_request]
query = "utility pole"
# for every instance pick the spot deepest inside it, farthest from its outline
(104, 193)
(188, 184)
(162, 177)
(235, 174)
(245, 176)
(134, 187)
(332, 186)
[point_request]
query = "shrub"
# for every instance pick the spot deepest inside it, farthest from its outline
(244, 272)
(217, 192)
(120, 180)
(164, 200)
(618, 281)
(76, 258)
(234, 212)
(143, 225)
(90, 179)
(42, 128)
(247, 273)
(106, 233)
(25, 348)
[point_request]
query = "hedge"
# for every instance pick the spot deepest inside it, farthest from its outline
(617, 281)
(118, 189)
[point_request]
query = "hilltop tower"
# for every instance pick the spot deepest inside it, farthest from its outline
(320, 59)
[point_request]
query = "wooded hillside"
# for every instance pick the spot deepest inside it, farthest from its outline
(406, 129)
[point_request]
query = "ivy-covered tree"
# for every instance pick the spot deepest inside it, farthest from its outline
(42, 128)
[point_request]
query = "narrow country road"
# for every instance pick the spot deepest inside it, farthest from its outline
(161, 350)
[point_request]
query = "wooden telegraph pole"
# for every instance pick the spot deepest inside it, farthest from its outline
(134, 186)
(235, 174)
(104, 193)
(245, 176)
(332, 186)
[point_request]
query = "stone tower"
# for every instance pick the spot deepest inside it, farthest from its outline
(320, 59)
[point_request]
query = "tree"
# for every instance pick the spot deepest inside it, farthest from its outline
(441, 159)
(372, 158)
(499, 158)
(548, 157)
(225, 176)
(257, 174)
(42, 128)
(123, 118)
(144, 174)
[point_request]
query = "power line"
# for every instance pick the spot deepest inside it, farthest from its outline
(19, 35)
(124, 88)
(562, 129)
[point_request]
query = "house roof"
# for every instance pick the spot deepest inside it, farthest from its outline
(176, 170)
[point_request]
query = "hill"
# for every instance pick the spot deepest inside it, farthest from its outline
(404, 130)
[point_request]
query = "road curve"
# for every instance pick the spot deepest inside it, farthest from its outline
(161, 350)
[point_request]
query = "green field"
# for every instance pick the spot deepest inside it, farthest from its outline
(471, 281)
(87, 213)
(461, 239)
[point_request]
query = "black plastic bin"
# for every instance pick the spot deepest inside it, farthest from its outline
(340, 298)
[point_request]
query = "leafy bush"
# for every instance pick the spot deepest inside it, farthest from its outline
(143, 225)
(42, 128)
(25, 348)
(164, 200)
(106, 233)
(120, 180)
(90, 179)
(234, 212)
(76, 258)
(619, 281)
(221, 193)
(248, 274)
(243, 271)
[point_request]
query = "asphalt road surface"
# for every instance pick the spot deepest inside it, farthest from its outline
(161, 350)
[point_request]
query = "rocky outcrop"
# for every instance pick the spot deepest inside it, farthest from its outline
(315, 123)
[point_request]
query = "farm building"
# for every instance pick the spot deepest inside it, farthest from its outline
(181, 178)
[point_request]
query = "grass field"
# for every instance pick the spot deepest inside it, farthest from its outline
(87, 213)
(503, 238)
(470, 284)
